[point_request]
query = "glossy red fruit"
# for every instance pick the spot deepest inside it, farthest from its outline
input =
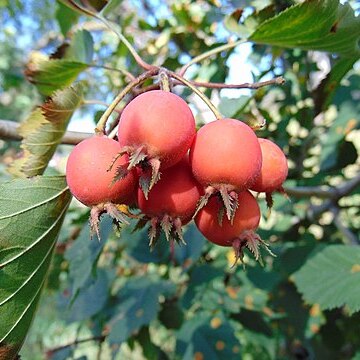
(274, 168)
(176, 194)
(88, 177)
(240, 233)
(172, 201)
(159, 123)
(226, 152)
(247, 217)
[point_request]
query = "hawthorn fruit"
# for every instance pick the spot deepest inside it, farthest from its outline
(91, 182)
(171, 202)
(225, 157)
(240, 233)
(156, 129)
(274, 169)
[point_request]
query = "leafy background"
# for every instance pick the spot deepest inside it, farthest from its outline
(115, 298)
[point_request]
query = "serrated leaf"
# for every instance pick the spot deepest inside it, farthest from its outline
(81, 47)
(31, 215)
(331, 278)
(325, 25)
(43, 131)
(52, 75)
(206, 337)
(138, 304)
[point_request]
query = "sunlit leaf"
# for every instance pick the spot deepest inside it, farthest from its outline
(324, 25)
(52, 75)
(31, 215)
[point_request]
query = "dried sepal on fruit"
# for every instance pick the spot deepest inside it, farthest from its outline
(225, 158)
(171, 203)
(156, 130)
(239, 234)
(91, 182)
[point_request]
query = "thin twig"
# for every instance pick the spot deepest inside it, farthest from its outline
(202, 96)
(276, 81)
(100, 127)
(329, 192)
(208, 54)
(128, 74)
(9, 131)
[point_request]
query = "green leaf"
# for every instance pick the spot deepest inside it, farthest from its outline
(43, 131)
(110, 7)
(138, 305)
(92, 299)
(52, 75)
(72, 4)
(331, 278)
(83, 254)
(66, 17)
(324, 25)
(81, 48)
(31, 215)
(206, 337)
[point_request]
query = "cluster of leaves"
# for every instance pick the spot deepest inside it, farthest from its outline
(115, 297)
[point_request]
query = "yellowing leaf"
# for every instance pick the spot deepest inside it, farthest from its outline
(43, 131)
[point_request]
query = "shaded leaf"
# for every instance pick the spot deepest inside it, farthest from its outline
(331, 278)
(91, 299)
(325, 91)
(52, 75)
(72, 4)
(138, 304)
(83, 254)
(206, 337)
(43, 131)
(324, 25)
(31, 215)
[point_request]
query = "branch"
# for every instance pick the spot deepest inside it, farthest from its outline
(50, 352)
(9, 131)
(326, 192)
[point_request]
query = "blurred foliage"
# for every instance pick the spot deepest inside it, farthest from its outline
(187, 302)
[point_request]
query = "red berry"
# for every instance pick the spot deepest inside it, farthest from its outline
(274, 168)
(88, 177)
(176, 194)
(226, 152)
(159, 123)
(172, 201)
(240, 233)
(247, 217)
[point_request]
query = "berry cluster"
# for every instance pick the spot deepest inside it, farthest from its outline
(173, 174)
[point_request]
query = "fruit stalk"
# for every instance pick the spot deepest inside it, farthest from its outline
(100, 127)
(198, 92)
